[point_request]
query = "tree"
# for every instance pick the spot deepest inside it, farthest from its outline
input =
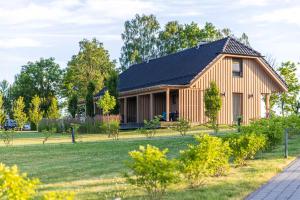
(2, 112)
(140, 38)
(287, 100)
(19, 112)
(53, 111)
(171, 38)
(213, 104)
(73, 105)
(35, 113)
(92, 63)
(111, 84)
(244, 39)
(42, 78)
(89, 99)
(106, 103)
(5, 89)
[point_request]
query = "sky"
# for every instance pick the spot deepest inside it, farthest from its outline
(30, 29)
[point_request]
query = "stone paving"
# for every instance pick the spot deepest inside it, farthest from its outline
(285, 185)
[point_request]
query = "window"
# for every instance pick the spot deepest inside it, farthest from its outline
(237, 105)
(237, 67)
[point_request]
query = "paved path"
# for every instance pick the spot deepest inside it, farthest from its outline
(285, 185)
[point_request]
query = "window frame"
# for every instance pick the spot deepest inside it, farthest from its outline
(240, 62)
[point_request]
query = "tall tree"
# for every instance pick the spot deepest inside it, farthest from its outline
(140, 38)
(210, 33)
(92, 63)
(171, 38)
(112, 87)
(42, 78)
(5, 89)
(213, 104)
(89, 99)
(53, 110)
(35, 112)
(73, 105)
(289, 99)
(244, 39)
(2, 111)
(19, 112)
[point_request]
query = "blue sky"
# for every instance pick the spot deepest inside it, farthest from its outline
(30, 29)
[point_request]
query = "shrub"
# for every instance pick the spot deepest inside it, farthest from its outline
(292, 123)
(245, 146)
(14, 185)
(111, 128)
(48, 133)
(7, 137)
(150, 127)
(59, 196)
(208, 158)
(152, 170)
(272, 128)
(182, 126)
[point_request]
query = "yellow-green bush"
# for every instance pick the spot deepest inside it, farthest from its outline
(152, 170)
(16, 186)
(208, 158)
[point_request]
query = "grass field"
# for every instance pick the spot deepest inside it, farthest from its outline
(94, 169)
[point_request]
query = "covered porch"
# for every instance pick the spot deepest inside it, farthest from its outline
(134, 109)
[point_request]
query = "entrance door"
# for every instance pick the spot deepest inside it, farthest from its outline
(237, 105)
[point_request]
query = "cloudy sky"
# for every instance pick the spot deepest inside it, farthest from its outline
(30, 29)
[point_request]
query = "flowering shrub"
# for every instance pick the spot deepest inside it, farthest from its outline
(59, 196)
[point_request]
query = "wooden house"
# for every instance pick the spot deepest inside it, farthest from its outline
(174, 85)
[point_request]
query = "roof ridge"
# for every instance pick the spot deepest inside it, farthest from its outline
(239, 42)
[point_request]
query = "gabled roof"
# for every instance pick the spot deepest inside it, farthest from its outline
(180, 68)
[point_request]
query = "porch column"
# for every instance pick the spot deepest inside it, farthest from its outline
(168, 105)
(137, 109)
(125, 110)
(267, 105)
(151, 106)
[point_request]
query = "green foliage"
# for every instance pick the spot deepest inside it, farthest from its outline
(89, 99)
(139, 39)
(53, 110)
(150, 127)
(92, 63)
(213, 104)
(208, 158)
(287, 100)
(42, 78)
(111, 128)
(59, 196)
(48, 133)
(35, 113)
(19, 113)
(292, 123)
(272, 128)
(16, 186)
(7, 137)
(73, 105)
(5, 90)
(182, 126)
(245, 146)
(111, 83)
(152, 170)
(106, 103)
(2, 112)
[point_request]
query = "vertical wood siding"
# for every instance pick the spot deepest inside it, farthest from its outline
(252, 84)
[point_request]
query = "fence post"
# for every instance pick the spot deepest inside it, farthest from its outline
(286, 142)
(73, 134)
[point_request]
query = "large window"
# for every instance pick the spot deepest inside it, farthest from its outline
(237, 67)
(237, 105)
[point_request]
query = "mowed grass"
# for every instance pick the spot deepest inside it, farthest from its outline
(94, 169)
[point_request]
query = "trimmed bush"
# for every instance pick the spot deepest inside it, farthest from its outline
(208, 158)
(152, 170)
(182, 126)
(150, 127)
(245, 146)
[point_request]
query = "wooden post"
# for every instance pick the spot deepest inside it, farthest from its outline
(286, 139)
(267, 105)
(125, 110)
(168, 105)
(151, 106)
(137, 109)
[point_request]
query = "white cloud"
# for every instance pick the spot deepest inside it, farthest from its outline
(290, 15)
(18, 42)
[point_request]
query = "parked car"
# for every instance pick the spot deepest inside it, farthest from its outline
(27, 127)
(10, 124)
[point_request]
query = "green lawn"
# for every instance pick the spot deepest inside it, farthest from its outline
(94, 169)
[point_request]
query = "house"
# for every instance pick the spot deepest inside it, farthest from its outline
(174, 85)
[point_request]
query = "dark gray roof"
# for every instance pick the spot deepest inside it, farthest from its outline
(180, 68)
